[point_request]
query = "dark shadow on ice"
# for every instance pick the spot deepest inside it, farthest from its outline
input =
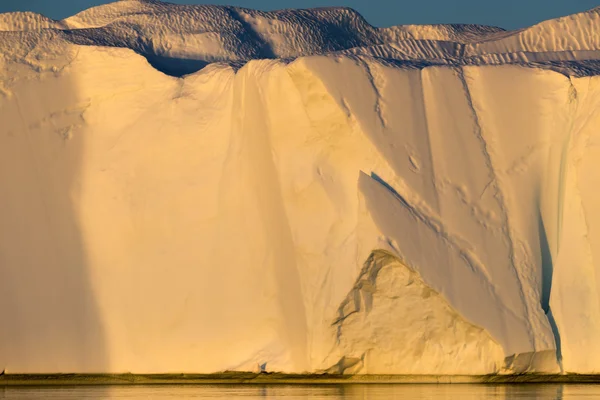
(50, 320)
(177, 67)
(547, 272)
(556, 334)
(546, 266)
(112, 36)
(385, 184)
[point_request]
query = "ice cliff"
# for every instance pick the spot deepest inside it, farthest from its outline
(204, 188)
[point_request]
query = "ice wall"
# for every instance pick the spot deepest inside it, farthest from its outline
(337, 213)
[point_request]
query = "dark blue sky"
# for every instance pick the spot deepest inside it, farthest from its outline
(508, 14)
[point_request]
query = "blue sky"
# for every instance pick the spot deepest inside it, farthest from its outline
(508, 14)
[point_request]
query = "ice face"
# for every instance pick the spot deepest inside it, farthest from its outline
(316, 194)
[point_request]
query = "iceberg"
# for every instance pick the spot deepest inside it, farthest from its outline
(210, 188)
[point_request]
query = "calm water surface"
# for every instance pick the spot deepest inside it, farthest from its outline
(330, 392)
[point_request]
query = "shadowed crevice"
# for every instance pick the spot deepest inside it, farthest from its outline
(547, 273)
(547, 267)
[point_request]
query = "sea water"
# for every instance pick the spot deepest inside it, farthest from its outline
(290, 392)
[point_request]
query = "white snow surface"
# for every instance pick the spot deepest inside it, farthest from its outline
(205, 188)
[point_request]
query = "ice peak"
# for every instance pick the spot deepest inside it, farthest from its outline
(196, 35)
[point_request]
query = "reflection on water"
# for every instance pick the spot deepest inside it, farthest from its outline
(329, 392)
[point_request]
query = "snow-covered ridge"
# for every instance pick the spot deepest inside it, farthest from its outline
(179, 39)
